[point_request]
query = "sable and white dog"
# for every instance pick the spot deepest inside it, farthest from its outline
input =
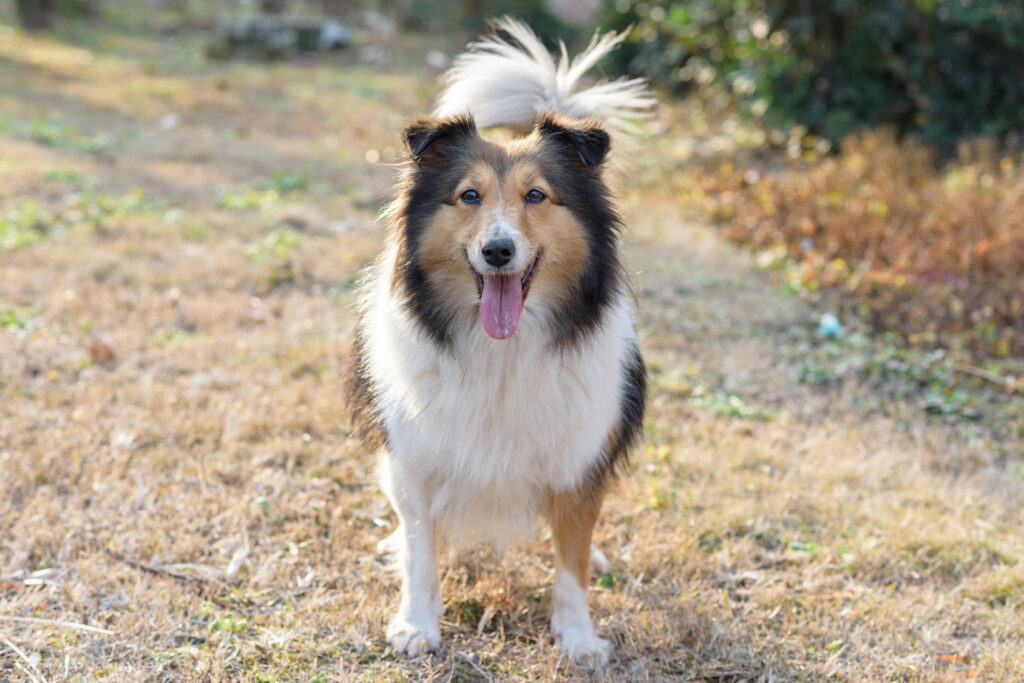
(496, 353)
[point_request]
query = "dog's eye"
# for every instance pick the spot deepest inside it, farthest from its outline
(470, 196)
(535, 196)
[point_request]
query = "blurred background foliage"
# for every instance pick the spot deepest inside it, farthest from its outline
(938, 69)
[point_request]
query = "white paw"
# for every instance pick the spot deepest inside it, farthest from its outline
(584, 649)
(599, 564)
(412, 639)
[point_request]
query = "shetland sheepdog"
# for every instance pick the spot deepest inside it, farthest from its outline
(496, 354)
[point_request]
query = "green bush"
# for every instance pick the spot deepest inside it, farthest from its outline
(940, 69)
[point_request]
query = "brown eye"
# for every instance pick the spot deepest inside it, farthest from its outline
(535, 196)
(470, 196)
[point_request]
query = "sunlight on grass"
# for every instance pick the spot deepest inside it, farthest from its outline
(176, 314)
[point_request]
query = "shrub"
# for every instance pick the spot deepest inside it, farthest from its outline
(936, 256)
(941, 69)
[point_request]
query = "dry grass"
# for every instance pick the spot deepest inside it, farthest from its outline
(178, 477)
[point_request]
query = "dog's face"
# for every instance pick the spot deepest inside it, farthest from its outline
(503, 227)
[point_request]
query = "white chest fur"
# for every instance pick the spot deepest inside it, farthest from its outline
(488, 427)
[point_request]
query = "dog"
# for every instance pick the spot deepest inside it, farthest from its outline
(496, 354)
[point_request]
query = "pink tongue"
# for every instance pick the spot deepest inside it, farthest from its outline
(500, 304)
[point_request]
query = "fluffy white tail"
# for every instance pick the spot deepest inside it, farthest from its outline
(508, 84)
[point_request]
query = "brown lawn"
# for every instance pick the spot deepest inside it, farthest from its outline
(181, 498)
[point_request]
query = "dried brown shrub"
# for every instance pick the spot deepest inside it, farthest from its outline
(937, 255)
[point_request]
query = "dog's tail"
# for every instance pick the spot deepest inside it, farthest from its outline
(507, 84)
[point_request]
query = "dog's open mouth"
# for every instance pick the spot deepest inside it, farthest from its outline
(501, 299)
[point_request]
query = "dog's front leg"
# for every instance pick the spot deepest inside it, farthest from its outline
(414, 627)
(573, 515)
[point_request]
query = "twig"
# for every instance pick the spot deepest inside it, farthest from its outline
(469, 660)
(57, 622)
(28, 673)
(21, 653)
(159, 571)
(183, 578)
(983, 374)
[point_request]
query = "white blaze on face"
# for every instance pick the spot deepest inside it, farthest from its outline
(501, 299)
(502, 227)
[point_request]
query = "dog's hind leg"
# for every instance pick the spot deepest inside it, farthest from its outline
(414, 628)
(573, 515)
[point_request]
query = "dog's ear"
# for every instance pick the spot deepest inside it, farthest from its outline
(430, 141)
(588, 142)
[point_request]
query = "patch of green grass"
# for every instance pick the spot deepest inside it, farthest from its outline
(248, 200)
(162, 655)
(949, 401)
(724, 404)
(931, 377)
(801, 546)
(468, 611)
(174, 336)
(278, 244)
(194, 231)
(265, 195)
(709, 541)
(228, 623)
(221, 621)
(65, 136)
(27, 222)
(99, 207)
(1001, 587)
(10, 319)
(62, 175)
(287, 183)
(24, 224)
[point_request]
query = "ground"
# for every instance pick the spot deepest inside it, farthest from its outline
(182, 498)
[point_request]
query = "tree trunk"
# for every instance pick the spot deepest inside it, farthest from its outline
(35, 15)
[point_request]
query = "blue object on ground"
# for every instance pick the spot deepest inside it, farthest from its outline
(830, 327)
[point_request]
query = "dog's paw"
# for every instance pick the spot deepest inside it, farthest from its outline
(412, 639)
(583, 648)
(599, 564)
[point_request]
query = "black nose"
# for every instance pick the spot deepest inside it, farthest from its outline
(499, 251)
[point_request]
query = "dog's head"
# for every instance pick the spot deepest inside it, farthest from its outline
(507, 227)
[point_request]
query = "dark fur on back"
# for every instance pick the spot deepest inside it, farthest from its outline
(631, 420)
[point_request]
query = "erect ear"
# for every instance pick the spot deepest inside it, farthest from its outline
(430, 141)
(589, 141)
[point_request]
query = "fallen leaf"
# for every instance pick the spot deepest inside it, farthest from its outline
(101, 354)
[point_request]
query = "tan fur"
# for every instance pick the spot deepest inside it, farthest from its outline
(547, 227)
(573, 515)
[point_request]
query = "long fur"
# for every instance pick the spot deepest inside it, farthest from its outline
(508, 84)
(482, 434)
